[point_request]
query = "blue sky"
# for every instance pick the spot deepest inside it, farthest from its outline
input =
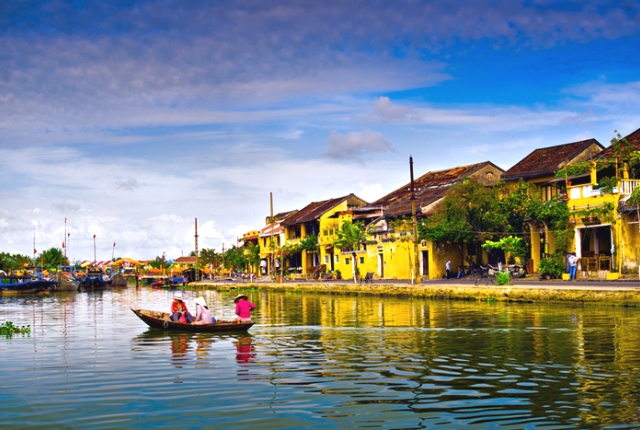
(133, 118)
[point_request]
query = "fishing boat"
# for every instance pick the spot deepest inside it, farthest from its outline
(161, 320)
(66, 279)
(119, 280)
(95, 279)
(17, 285)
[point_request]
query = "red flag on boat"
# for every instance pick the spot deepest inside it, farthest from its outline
(63, 244)
(114, 244)
(35, 251)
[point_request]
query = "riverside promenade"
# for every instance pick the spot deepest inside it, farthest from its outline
(527, 290)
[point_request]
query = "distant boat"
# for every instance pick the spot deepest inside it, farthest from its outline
(95, 279)
(118, 280)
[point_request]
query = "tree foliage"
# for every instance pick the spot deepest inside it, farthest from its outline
(52, 258)
(234, 258)
(470, 214)
(13, 262)
(209, 256)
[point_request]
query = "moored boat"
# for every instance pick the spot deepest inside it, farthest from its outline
(119, 280)
(27, 286)
(95, 279)
(66, 279)
(161, 320)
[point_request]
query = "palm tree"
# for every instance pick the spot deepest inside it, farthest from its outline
(349, 238)
(52, 258)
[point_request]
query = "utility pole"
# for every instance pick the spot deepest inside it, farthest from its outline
(196, 275)
(416, 261)
(94, 249)
(273, 248)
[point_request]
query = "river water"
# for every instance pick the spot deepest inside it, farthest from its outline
(319, 361)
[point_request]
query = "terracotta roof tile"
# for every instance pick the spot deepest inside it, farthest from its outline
(632, 138)
(430, 188)
(314, 210)
(547, 161)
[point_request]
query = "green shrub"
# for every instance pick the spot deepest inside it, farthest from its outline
(503, 278)
(553, 266)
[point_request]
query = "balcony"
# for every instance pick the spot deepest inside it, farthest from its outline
(625, 188)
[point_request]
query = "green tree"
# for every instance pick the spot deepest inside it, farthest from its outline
(469, 213)
(209, 256)
(13, 262)
(234, 258)
(52, 258)
(350, 237)
(253, 254)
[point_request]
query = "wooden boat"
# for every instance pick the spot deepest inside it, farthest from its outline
(66, 279)
(157, 319)
(118, 280)
(95, 279)
(67, 283)
(27, 286)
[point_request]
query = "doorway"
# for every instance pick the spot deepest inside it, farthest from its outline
(425, 264)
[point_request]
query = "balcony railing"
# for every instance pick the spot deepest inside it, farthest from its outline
(626, 187)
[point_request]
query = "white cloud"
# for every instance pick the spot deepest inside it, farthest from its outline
(357, 145)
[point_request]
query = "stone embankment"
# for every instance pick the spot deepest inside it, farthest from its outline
(618, 294)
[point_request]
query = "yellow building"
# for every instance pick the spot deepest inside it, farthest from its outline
(319, 220)
(271, 239)
(539, 168)
(605, 227)
(390, 246)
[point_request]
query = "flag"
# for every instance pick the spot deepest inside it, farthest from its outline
(68, 234)
(63, 244)
(94, 236)
(35, 251)
(114, 244)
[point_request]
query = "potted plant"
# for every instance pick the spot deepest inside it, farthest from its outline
(338, 274)
(551, 266)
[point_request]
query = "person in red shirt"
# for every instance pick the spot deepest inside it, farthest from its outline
(243, 308)
(179, 309)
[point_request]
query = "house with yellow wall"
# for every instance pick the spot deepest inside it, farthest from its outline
(316, 219)
(539, 168)
(390, 244)
(271, 239)
(606, 232)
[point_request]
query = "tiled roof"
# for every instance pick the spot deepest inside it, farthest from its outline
(283, 215)
(185, 260)
(547, 161)
(314, 210)
(632, 138)
(430, 188)
(268, 231)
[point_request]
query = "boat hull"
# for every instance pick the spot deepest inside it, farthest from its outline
(160, 320)
(67, 284)
(28, 287)
(119, 281)
(95, 282)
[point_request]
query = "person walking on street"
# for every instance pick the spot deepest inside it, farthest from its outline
(447, 266)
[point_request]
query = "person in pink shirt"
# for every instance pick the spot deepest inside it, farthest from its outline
(243, 308)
